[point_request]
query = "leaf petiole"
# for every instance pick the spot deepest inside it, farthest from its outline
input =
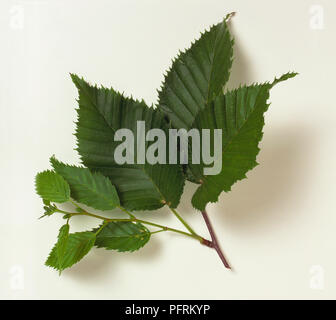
(77, 206)
(126, 211)
(190, 229)
(102, 226)
(153, 232)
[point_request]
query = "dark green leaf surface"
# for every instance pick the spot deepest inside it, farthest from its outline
(196, 76)
(101, 113)
(122, 236)
(92, 189)
(71, 249)
(50, 186)
(240, 114)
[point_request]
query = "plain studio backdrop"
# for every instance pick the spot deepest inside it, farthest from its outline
(277, 227)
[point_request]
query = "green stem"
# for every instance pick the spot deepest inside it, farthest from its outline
(165, 228)
(65, 212)
(190, 229)
(153, 232)
(102, 226)
(126, 211)
(77, 206)
(194, 236)
(120, 207)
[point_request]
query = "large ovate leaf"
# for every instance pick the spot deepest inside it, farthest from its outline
(101, 113)
(196, 76)
(240, 115)
(72, 249)
(50, 186)
(122, 236)
(92, 189)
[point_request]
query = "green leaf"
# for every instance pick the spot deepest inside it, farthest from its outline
(46, 202)
(284, 77)
(101, 113)
(57, 256)
(63, 237)
(70, 248)
(92, 189)
(196, 76)
(240, 114)
(122, 236)
(50, 186)
(48, 210)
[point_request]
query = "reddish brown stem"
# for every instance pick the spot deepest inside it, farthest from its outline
(207, 243)
(215, 243)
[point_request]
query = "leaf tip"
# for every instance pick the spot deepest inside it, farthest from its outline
(284, 77)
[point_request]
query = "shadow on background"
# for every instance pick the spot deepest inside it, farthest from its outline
(241, 71)
(278, 179)
(101, 263)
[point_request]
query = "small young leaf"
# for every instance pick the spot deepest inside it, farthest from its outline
(50, 186)
(48, 210)
(92, 189)
(69, 252)
(122, 236)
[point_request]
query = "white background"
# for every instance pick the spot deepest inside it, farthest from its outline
(277, 227)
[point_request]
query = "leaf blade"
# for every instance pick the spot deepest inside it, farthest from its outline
(92, 189)
(76, 247)
(196, 76)
(122, 236)
(50, 186)
(61, 245)
(101, 113)
(240, 114)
